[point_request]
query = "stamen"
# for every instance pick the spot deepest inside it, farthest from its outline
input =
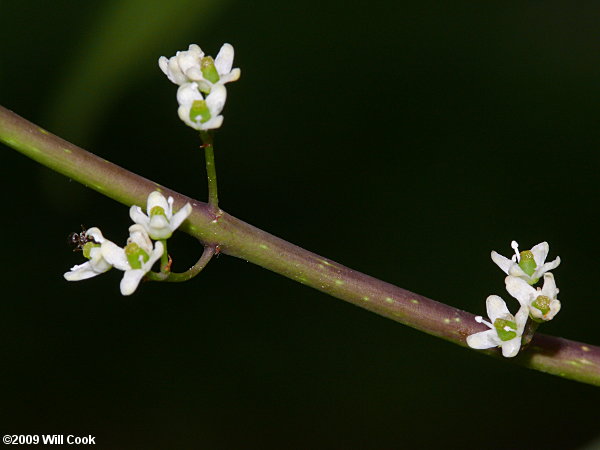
(515, 247)
(485, 322)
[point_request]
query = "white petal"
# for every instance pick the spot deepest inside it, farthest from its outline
(549, 289)
(194, 74)
(213, 123)
(188, 93)
(95, 266)
(554, 309)
(540, 252)
(196, 50)
(540, 270)
(163, 63)
(536, 313)
(496, 307)
(154, 256)
(139, 235)
(81, 272)
(159, 228)
(96, 234)
(216, 99)
(521, 319)
(130, 281)
(515, 271)
(174, 72)
(114, 255)
(520, 289)
(184, 114)
(136, 214)
(234, 75)
(157, 199)
(483, 340)
(224, 59)
(502, 262)
(204, 86)
(180, 216)
(511, 348)
(187, 60)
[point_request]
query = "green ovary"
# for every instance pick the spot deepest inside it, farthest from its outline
(87, 249)
(135, 255)
(200, 110)
(527, 262)
(505, 335)
(158, 211)
(542, 303)
(209, 71)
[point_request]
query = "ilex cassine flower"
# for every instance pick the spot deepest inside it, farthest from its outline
(192, 65)
(505, 329)
(160, 221)
(139, 257)
(136, 259)
(198, 112)
(528, 265)
(542, 303)
(100, 254)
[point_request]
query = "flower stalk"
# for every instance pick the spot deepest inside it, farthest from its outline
(558, 356)
(211, 170)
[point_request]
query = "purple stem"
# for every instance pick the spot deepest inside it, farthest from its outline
(562, 357)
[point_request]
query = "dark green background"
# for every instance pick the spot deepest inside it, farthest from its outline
(403, 139)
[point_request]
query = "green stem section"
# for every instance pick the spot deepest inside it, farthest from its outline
(211, 170)
(529, 332)
(164, 259)
(561, 357)
(206, 256)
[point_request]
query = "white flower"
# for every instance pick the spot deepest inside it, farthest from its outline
(137, 258)
(198, 113)
(176, 67)
(192, 66)
(542, 303)
(505, 329)
(160, 221)
(529, 265)
(100, 255)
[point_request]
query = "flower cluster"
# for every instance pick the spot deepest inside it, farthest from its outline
(139, 254)
(524, 270)
(201, 80)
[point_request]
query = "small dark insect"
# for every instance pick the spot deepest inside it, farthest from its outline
(79, 239)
